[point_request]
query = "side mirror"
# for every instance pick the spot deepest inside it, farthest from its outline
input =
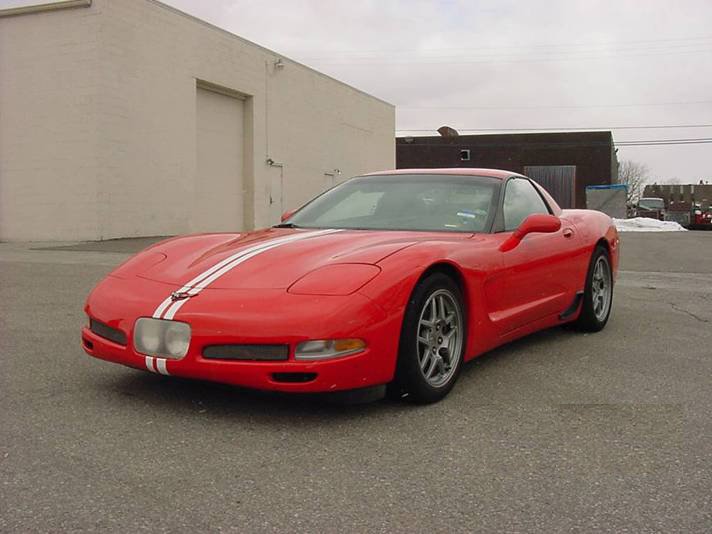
(536, 223)
(286, 215)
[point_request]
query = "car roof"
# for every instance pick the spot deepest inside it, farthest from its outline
(461, 171)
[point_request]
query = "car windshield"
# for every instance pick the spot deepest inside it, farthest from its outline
(404, 202)
(651, 203)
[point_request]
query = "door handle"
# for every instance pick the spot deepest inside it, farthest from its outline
(568, 232)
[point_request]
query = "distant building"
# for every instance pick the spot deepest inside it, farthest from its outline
(564, 163)
(680, 197)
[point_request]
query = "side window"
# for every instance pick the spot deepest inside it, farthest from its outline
(520, 201)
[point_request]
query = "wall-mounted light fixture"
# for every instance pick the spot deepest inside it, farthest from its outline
(278, 64)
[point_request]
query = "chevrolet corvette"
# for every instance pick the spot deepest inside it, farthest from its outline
(390, 281)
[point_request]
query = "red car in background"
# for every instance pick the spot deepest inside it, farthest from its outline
(701, 217)
(392, 279)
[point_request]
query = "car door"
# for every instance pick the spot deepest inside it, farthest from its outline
(533, 282)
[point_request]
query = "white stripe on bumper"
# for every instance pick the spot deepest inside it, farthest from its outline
(161, 366)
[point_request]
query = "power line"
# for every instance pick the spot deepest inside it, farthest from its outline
(566, 143)
(661, 141)
(369, 62)
(566, 45)
(564, 128)
(475, 53)
(587, 106)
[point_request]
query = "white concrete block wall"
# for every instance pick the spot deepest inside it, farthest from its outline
(49, 68)
(120, 99)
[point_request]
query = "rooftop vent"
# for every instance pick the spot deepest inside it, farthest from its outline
(446, 131)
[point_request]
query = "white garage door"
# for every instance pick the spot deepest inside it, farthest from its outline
(219, 197)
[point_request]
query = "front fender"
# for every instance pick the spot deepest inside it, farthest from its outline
(473, 259)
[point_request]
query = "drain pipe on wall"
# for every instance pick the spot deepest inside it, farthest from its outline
(276, 64)
(273, 163)
(333, 174)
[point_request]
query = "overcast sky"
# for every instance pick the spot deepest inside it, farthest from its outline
(509, 64)
(480, 64)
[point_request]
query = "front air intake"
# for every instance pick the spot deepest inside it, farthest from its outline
(260, 353)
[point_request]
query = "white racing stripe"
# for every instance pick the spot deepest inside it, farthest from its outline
(149, 364)
(208, 276)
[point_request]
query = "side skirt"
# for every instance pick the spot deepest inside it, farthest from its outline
(573, 308)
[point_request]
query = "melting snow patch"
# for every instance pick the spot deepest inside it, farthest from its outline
(645, 224)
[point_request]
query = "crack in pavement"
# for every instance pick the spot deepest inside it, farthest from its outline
(676, 308)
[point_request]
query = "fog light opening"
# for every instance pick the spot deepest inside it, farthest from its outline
(294, 378)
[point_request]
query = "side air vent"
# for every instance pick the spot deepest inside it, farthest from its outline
(107, 332)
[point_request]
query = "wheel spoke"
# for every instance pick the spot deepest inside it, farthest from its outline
(440, 364)
(444, 353)
(423, 340)
(431, 367)
(424, 359)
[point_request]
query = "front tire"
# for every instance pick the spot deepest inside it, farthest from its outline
(598, 293)
(432, 341)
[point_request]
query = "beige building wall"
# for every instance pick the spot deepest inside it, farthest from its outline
(116, 120)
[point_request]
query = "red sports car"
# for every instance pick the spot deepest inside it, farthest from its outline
(391, 279)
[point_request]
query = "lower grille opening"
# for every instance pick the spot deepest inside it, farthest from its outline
(263, 353)
(293, 377)
(88, 344)
(107, 332)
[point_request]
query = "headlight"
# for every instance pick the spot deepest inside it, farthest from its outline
(158, 337)
(323, 349)
(147, 336)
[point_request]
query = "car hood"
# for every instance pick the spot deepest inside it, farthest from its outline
(271, 258)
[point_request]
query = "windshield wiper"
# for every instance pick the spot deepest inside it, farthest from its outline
(286, 225)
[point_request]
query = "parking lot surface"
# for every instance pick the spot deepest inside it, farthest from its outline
(559, 431)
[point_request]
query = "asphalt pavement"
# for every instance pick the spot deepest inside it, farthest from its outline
(557, 432)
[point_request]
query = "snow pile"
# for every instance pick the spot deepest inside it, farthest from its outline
(645, 224)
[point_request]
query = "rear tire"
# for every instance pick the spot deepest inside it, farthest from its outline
(598, 293)
(432, 341)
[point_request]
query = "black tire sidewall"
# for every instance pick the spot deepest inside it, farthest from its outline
(409, 377)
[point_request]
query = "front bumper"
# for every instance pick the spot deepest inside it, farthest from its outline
(264, 316)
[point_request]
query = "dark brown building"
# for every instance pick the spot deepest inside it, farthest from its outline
(564, 163)
(680, 197)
